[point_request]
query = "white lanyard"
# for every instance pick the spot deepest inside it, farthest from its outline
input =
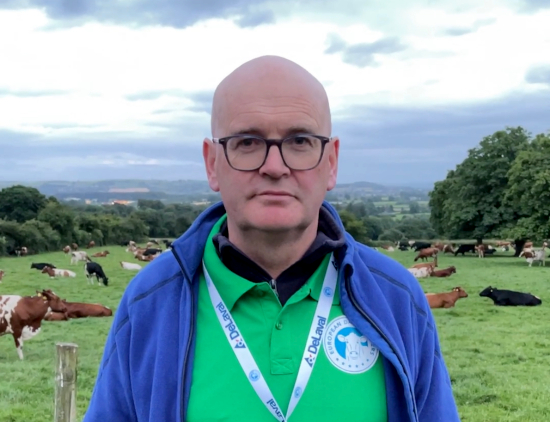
(313, 344)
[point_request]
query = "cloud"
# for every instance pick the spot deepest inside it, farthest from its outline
(5, 92)
(535, 5)
(362, 54)
(538, 74)
(173, 13)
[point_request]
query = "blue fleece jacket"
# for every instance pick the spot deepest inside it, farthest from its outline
(145, 373)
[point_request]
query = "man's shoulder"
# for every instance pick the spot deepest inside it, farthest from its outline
(161, 273)
(389, 274)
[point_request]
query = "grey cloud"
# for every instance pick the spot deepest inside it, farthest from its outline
(174, 13)
(362, 54)
(538, 75)
(202, 100)
(379, 144)
(154, 95)
(535, 5)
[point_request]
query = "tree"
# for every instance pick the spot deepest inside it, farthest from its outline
(353, 226)
(469, 203)
(414, 208)
(21, 203)
(60, 218)
(529, 191)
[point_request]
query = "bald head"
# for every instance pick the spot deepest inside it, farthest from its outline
(269, 85)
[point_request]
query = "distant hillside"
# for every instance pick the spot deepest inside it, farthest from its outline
(187, 190)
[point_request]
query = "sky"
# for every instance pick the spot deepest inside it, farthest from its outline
(104, 89)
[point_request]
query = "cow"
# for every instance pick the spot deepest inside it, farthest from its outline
(426, 253)
(445, 300)
(67, 249)
(388, 248)
(79, 256)
(432, 264)
(93, 268)
(510, 297)
(421, 272)
(535, 255)
(444, 273)
(80, 310)
(74, 246)
(1, 275)
(100, 254)
(448, 249)
(41, 265)
(403, 247)
(465, 248)
(353, 344)
(417, 246)
(56, 272)
(21, 316)
(91, 244)
(130, 266)
(167, 243)
(151, 251)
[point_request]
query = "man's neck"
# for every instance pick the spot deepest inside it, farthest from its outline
(272, 251)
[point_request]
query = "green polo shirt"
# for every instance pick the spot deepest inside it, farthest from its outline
(347, 382)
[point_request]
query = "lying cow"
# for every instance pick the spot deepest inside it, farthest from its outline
(510, 297)
(41, 265)
(444, 273)
(21, 316)
(79, 310)
(445, 300)
(56, 272)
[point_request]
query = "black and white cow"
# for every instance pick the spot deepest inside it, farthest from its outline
(93, 268)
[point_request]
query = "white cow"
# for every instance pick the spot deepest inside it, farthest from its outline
(421, 272)
(353, 344)
(77, 256)
(130, 266)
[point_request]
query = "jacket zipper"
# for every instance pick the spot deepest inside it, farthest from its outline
(369, 319)
(188, 347)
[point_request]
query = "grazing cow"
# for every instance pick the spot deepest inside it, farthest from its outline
(21, 316)
(1, 275)
(445, 300)
(41, 265)
(439, 246)
(130, 266)
(93, 268)
(417, 246)
(67, 249)
(421, 272)
(100, 254)
(91, 244)
(426, 253)
(79, 256)
(56, 272)
(432, 264)
(510, 297)
(80, 310)
(444, 273)
(535, 255)
(465, 248)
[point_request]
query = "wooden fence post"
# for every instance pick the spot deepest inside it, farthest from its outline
(65, 382)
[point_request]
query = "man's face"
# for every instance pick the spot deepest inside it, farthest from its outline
(273, 198)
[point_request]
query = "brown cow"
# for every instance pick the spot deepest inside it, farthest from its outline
(101, 254)
(67, 249)
(80, 310)
(426, 253)
(91, 244)
(445, 300)
(432, 264)
(1, 275)
(444, 273)
(21, 316)
(74, 246)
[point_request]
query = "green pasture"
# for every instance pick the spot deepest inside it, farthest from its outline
(498, 358)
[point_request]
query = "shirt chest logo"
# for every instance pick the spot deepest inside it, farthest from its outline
(347, 349)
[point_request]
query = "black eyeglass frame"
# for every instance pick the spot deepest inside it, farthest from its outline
(269, 143)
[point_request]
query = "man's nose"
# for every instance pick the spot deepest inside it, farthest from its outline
(274, 165)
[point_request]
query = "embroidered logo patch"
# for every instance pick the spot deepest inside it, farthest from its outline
(347, 349)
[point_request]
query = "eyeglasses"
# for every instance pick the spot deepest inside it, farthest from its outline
(249, 152)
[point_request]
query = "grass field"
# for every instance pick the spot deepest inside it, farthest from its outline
(498, 358)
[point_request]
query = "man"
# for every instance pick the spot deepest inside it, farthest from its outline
(266, 309)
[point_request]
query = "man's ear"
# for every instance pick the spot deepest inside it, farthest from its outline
(209, 155)
(334, 149)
